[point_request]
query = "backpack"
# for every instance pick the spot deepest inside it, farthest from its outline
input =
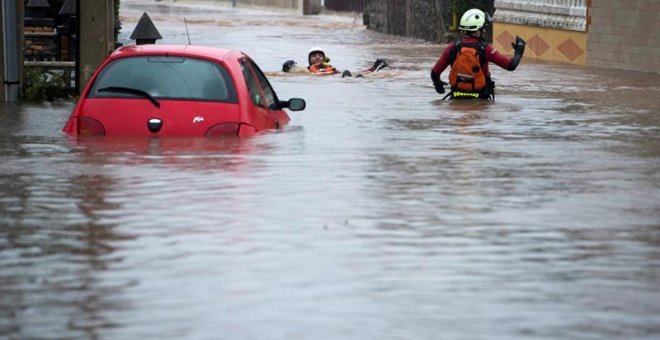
(466, 72)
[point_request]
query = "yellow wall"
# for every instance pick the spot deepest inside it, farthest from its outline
(543, 43)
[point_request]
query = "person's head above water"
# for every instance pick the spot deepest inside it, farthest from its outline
(316, 56)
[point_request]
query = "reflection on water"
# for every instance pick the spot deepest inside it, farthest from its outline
(379, 212)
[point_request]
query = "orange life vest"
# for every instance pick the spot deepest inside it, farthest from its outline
(322, 69)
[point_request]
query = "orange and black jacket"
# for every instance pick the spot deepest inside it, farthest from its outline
(491, 56)
(322, 68)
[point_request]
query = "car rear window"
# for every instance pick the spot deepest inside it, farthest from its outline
(166, 77)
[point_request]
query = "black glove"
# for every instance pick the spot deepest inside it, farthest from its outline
(379, 64)
(288, 65)
(440, 87)
(518, 46)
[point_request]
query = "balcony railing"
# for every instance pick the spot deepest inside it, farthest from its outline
(559, 14)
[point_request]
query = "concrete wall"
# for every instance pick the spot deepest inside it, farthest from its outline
(543, 43)
(606, 33)
(425, 19)
(554, 29)
(96, 37)
(624, 35)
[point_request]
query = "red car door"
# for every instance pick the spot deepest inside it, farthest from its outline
(266, 107)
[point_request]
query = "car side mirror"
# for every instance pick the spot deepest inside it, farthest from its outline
(294, 104)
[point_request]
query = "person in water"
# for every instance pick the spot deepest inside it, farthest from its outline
(469, 57)
(319, 64)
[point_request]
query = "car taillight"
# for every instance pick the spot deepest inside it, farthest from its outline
(90, 127)
(224, 129)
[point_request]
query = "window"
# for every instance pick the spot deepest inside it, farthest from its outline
(261, 92)
(167, 77)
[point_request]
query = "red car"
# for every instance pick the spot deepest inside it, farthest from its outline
(178, 90)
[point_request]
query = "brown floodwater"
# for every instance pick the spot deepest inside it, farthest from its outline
(380, 212)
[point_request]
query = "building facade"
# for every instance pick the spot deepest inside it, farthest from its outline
(604, 33)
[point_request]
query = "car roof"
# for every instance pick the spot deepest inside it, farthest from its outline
(208, 52)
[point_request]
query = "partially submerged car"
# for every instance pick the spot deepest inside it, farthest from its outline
(178, 90)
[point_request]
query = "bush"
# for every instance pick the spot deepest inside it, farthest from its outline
(40, 85)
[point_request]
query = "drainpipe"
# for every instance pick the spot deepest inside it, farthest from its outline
(11, 50)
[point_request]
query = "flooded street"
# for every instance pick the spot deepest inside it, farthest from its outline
(379, 212)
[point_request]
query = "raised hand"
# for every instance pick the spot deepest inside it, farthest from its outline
(518, 46)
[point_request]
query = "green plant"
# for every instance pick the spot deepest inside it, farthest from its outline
(40, 85)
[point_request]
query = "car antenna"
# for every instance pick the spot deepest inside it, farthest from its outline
(188, 34)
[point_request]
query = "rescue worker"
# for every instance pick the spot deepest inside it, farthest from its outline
(475, 81)
(319, 64)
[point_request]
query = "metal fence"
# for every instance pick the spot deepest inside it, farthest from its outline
(346, 5)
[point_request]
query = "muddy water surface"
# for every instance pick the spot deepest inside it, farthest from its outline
(380, 212)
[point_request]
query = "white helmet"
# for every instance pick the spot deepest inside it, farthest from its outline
(315, 49)
(474, 20)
